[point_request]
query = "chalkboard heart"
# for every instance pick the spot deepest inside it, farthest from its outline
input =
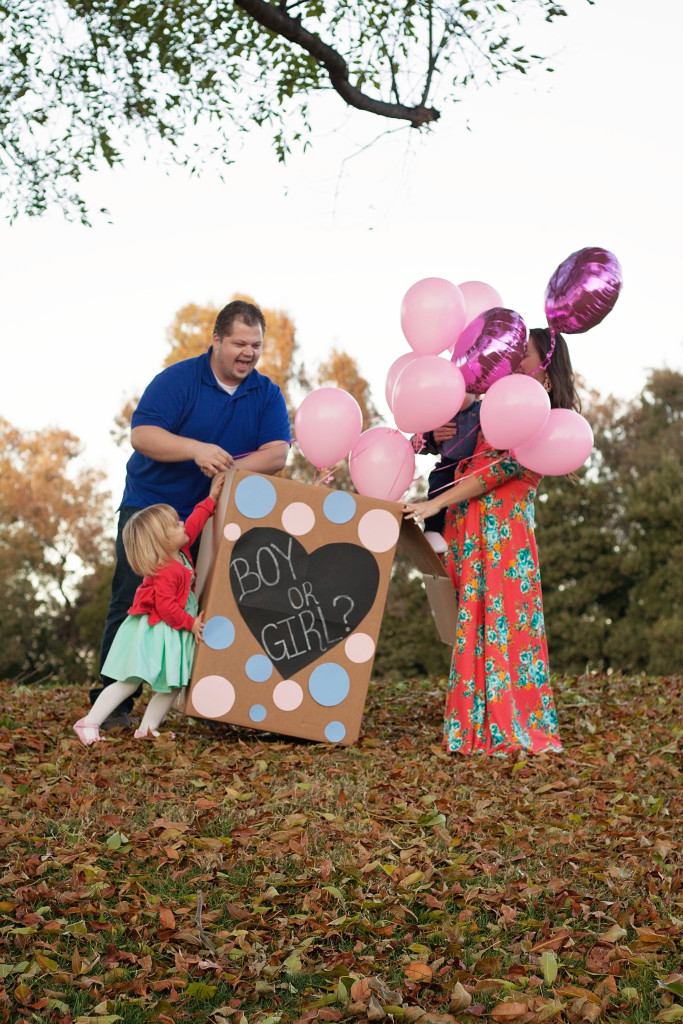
(299, 605)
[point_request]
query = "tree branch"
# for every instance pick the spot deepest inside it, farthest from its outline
(277, 21)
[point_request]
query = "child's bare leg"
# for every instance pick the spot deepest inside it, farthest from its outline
(109, 699)
(157, 709)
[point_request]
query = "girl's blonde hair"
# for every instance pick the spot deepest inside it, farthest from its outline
(145, 538)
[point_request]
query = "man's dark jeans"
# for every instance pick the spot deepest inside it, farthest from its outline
(123, 587)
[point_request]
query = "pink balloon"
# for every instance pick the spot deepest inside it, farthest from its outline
(513, 410)
(478, 297)
(382, 464)
(583, 290)
(432, 315)
(393, 373)
(327, 424)
(496, 343)
(562, 446)
(427, 393)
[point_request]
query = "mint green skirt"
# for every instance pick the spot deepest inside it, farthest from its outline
(159, 655)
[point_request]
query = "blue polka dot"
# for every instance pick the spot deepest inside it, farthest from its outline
(257, 712)
(339, 507)
(255, 497)
(329, 685)
(259, 668)
(335, 732)
(219, 633)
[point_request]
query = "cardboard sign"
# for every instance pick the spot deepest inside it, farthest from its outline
(293, 580)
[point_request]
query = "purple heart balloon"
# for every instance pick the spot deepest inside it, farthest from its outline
(496, 343)
(583, 290)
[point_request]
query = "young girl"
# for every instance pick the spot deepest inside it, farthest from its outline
(157, 640)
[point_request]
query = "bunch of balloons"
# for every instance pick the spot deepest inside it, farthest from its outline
(515, 411)
(462, 339)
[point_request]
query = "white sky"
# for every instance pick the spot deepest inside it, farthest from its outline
(551, 163)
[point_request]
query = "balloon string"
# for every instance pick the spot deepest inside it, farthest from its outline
(473, 430)
(467, 476)
(546, 362)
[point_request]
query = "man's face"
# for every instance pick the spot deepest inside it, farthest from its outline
(235, 355)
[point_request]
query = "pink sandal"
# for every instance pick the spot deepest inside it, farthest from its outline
(87, 734)
(151, 734)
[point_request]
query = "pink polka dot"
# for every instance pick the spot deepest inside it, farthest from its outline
(231, 531)
(287, 695)
(378, 530)
(298, 518)
(213, 696)
(359, 647)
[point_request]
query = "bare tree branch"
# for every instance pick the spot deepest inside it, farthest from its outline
(279, 22)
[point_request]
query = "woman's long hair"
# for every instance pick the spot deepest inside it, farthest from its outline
(563, 393)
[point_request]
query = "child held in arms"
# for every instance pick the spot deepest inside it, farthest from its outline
(455, 442)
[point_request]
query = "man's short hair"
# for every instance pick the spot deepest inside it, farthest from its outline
(250, 314)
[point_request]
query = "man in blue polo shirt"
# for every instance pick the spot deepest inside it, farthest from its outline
(197, 418)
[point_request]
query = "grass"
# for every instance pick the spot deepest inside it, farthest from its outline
(388, 880)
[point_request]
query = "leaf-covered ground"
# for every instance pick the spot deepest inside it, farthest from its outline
(241, 877)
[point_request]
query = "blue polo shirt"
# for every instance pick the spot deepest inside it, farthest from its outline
(186, 399)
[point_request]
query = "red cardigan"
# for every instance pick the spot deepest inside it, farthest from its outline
(163, 596)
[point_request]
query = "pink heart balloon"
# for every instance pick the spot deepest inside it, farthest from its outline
(583, 290)
(496, 343)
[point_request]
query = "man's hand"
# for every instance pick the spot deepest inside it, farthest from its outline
(444, 433)
(212, 459)
(163, 446)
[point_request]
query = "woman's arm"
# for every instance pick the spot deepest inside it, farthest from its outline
(496, 470)
(462, 491)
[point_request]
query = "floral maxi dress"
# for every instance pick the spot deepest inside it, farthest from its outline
(499, 695)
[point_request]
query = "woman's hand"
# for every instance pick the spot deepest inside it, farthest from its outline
(421, 510)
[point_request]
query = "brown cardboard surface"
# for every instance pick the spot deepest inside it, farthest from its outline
(293, 580)
(436, 580)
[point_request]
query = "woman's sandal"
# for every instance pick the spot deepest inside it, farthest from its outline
(87, 734)
(150, 734)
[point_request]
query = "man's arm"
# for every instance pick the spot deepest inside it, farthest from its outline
(163, 446)
(270, 458)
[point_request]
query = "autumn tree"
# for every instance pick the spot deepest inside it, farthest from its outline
(79, 81)
(611, 543)
(52, 533)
